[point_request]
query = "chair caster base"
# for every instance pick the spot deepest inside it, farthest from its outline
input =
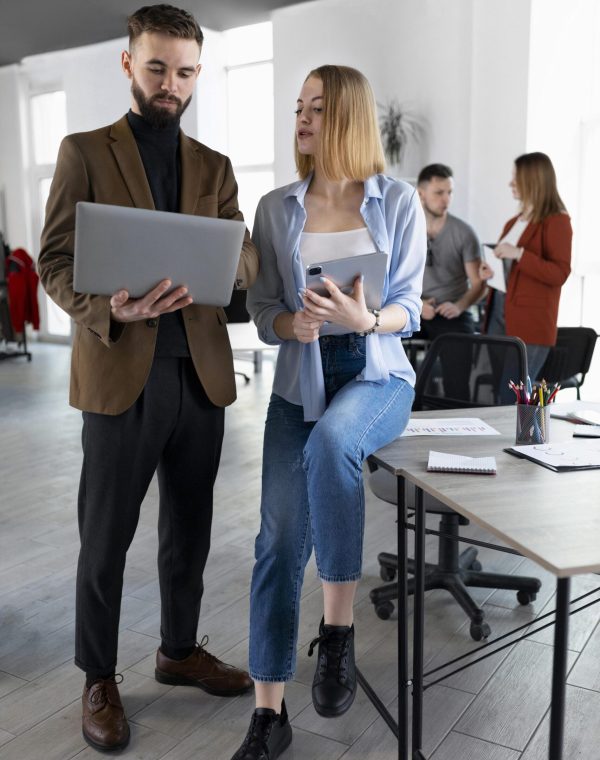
(387, 574)
(384, 610)
(526, 597)
(479, 631)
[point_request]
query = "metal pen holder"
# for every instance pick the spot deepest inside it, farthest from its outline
(533, 424)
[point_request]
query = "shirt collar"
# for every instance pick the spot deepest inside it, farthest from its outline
(298, 189)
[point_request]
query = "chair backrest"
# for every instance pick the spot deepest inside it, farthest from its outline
(485, 362)
(236, 309)
(572, 354)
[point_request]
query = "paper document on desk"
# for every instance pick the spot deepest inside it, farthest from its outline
(497, 266)
(586, 431)
(448, 426)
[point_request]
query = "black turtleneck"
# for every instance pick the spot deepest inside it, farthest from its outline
(159, 151)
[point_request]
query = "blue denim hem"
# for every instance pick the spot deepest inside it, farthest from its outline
(271, 679)
(340, 578)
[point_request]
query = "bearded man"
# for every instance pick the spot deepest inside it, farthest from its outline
(151, 375)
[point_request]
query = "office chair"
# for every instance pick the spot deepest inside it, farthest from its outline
(569, 360)
(453, 571)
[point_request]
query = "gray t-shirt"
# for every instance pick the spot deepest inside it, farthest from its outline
(445, 278)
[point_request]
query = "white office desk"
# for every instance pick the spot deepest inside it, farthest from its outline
(551, 518)
(243, 337)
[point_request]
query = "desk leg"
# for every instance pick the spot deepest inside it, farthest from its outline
(559, 669)
(403, 683)
(419, 628)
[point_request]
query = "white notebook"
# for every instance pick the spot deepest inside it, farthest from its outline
(440, 462)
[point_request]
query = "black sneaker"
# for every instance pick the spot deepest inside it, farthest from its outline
(334, 684)
(268, 736)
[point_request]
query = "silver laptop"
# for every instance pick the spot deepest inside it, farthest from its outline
(134, 249)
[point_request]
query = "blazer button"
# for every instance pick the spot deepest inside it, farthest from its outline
(151, 322)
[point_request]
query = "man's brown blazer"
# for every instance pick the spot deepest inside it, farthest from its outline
(111, 362)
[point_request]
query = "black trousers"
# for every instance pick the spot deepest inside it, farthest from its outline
(456, 364)
(174, 429)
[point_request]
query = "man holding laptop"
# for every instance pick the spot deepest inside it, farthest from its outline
(152, 375)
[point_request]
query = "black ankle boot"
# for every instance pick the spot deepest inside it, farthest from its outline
(334, 684)
(268, 736)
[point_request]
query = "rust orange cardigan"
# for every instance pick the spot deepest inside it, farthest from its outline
(533, 288)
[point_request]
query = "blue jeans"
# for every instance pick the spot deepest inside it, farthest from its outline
(312, 494)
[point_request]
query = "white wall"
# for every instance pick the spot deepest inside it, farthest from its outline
(564, 95)
(12, 176)
(449, 61)
(498, 109)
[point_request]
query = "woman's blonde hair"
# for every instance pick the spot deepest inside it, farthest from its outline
(536, 183)
(350, 145)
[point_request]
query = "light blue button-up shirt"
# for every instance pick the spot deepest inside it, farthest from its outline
(393, 215)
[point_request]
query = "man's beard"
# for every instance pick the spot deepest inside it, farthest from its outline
(436, 214)
(158, 117)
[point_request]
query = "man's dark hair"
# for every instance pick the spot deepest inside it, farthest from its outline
(164, 19)
(434, 170)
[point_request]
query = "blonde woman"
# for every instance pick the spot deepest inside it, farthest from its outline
(342, 387)
(536, 248)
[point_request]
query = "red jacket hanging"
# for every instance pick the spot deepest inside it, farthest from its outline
(22, 282)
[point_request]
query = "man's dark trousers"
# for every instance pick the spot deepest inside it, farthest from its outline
(174, 429)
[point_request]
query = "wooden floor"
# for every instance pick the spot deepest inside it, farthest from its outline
(497, 710)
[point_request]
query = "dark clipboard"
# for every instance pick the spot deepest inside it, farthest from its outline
(554, 468)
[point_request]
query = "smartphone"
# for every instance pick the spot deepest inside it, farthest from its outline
(343, 273)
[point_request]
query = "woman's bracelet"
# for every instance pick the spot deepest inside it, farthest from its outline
(377, 314)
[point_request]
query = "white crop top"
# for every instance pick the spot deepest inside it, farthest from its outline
(325, 246)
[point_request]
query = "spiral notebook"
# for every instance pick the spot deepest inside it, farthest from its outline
(440, 462)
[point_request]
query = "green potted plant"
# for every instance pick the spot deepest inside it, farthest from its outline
(399, 126)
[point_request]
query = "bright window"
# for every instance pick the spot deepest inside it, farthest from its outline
(248, 44)
(49, 124)
(48, 120)
(250, 112)
(58, 321)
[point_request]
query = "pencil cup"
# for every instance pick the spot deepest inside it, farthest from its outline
(533, 424)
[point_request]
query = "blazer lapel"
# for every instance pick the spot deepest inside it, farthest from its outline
(191, 171)
(130, 164)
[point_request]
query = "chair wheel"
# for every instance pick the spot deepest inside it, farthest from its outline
(479, 631)
(526, 597)
(475, 566)
(384, 610)
(387, 573)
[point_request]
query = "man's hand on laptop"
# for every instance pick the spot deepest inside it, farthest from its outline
(153, 304)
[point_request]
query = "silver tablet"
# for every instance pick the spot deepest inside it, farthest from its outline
(343, 273)
(117, 248)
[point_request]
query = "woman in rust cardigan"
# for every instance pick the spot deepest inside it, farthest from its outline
(535, 247)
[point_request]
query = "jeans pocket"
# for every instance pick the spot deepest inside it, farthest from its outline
(358, 346)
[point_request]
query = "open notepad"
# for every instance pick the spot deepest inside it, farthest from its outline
(440, 462)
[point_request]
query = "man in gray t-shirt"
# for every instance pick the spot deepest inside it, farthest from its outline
(451, 282)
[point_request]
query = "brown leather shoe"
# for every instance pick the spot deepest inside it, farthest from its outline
(203, 670)
(104, 724)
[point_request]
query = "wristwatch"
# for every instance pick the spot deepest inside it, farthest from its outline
(377, 314)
